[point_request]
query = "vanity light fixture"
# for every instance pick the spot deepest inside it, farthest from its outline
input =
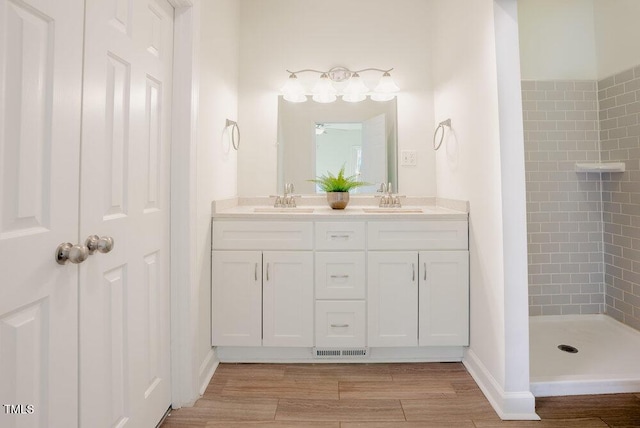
(293, 90)
(355, 90)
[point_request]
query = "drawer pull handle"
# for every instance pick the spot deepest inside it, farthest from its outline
(339, 236)
(425, 271)
(413, 271)
(267, 271)
(255, 272)
(339, 276)
(339, 325)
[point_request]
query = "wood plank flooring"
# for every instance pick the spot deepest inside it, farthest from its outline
(429, 395)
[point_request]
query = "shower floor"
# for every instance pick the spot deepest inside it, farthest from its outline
(608, 358)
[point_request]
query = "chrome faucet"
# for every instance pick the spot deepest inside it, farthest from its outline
(388, 199)
(288, 200)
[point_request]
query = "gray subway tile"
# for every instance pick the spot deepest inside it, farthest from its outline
(623, 77)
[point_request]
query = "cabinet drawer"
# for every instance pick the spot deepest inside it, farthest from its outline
(418, 235)
(340, 275)
(340, 236)
(340, 323)
(262, 235)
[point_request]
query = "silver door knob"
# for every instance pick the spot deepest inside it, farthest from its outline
(66, 252)
(102, 244)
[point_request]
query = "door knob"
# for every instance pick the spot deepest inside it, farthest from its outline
(102, 244)
(66, 252)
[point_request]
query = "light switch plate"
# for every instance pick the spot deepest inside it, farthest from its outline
(408, 158)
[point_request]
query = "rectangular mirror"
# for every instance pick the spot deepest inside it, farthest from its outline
(315, 138)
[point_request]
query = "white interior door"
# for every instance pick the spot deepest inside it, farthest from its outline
(124, 294)
(40, 93)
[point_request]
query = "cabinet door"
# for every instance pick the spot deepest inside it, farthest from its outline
(236, 298)
(288, 298)
(393, 298)
(444, 298)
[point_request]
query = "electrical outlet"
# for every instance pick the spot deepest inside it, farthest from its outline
(409, 158)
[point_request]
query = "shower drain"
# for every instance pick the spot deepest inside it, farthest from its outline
(568, 348)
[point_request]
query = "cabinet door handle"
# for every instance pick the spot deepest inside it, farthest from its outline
(267, 271)
(425, 271)
(339, 325)
(339, 276)
(255, 272)
(413, 271)
(340, 236)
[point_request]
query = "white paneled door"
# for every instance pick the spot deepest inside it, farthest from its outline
(84, 150)
(124, 193)
(40, 93)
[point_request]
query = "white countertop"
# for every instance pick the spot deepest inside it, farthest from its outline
(360, 207)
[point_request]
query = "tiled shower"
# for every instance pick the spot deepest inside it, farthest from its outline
(619, 100)
(583, 228)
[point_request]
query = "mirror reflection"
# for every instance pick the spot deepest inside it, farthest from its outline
(315, 138)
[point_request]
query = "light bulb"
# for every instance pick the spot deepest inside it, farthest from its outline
(293, 90)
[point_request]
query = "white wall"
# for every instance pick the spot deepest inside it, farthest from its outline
(277, 35)
(471, 166)
(557, 39)
(578, 39)
(216, 161)
(617, 32)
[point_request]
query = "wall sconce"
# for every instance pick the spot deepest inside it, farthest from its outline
(324, 90)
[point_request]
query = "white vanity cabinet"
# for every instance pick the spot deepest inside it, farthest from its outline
(283, 289)
(418, 298)
(262, 297)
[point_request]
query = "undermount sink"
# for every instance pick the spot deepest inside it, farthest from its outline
(392, 210)
(282, 210)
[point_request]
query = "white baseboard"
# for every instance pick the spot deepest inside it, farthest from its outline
(517, 406)
(246, 354)
(207, 368)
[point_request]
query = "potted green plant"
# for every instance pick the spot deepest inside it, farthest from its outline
(338, 187)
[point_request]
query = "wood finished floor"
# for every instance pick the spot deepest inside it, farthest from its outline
(429, 395)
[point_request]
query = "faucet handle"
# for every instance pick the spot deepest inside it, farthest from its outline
(292, 200)
(288, 188)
